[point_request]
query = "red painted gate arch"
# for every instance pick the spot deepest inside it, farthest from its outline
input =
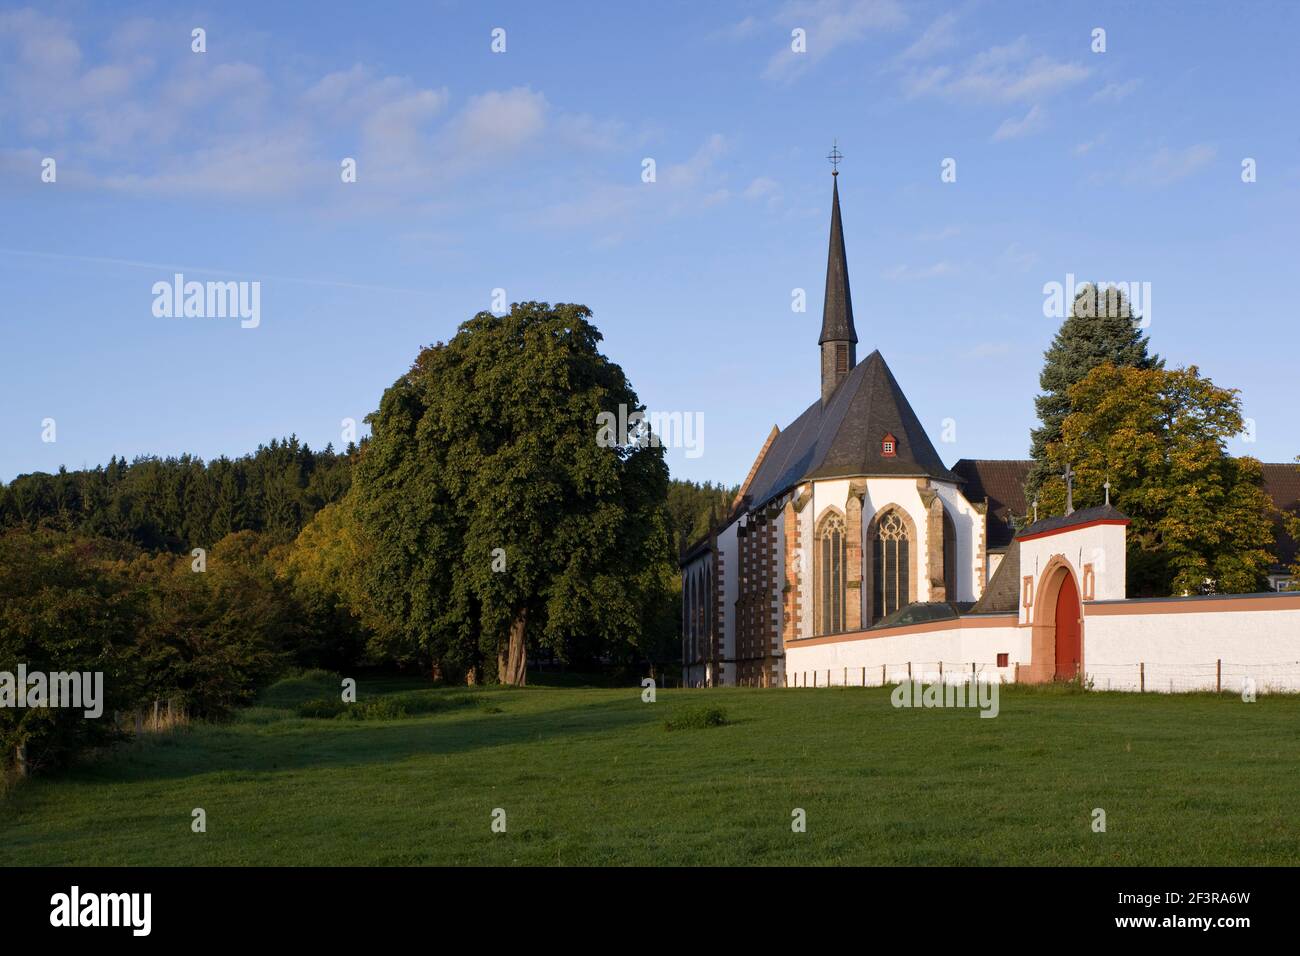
(1069, 650)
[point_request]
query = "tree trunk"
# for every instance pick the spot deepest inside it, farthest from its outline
(512, 660)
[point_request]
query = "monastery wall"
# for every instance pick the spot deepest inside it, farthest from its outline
(1199, 643)
(956, 645)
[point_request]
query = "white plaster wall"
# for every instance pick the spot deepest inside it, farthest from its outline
(993, 561)
(956, 647)
(883, 492)
(1102, 546)
(968, 523)
(1180, 650)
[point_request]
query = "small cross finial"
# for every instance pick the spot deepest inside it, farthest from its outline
(1107, 487)
(835, 156)
(1068, 475)
(1035, 511)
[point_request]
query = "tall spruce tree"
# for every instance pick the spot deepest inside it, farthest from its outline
(1101, 328)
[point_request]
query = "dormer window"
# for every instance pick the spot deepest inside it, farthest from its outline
(889, 446)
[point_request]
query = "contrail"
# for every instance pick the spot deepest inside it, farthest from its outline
(166, 267)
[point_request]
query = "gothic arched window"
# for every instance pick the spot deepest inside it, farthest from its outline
(830, 574)
(890, 565)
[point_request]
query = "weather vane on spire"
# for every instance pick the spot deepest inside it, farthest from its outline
(835, 156)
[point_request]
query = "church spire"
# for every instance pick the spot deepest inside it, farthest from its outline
(839, 339)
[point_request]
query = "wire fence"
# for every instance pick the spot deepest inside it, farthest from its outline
(1139, 676)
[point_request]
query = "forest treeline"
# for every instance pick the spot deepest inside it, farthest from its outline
(98, 569)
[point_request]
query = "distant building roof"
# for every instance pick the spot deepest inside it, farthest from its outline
(1282, 483)
(1002, 482)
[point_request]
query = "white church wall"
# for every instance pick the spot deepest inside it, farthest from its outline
(978, 640)
(1177, 644)
(994, 560)
(883, 492)
(967, 522)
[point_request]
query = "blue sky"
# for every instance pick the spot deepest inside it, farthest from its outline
(522, 170)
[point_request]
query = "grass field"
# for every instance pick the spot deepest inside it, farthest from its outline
(591, 776)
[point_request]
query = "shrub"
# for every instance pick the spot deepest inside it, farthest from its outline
(382, 708)
(323, 708)
(693, 718)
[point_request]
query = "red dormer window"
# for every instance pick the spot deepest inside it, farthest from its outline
(889, 446)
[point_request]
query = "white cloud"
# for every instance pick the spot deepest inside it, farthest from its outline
(1017, 257)
(1008, 73)
(1170, 165)
(907, 272)
(211, 125)
(947, 232)
(1114, 92)
(762, 187)
(938, 37)
(829, 24)
(680, 188)
(1012, 128)
(1089, 145)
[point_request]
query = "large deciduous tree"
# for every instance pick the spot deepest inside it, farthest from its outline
(1100, 328)
(494, 517)
(1201, 521)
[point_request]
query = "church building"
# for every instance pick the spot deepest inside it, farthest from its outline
(850, 542)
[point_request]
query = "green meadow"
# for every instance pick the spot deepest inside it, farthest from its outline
(593, 776)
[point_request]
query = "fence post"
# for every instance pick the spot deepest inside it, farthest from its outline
(972, 671)
(1218, 676)
(1142, 676)
(846, 676)
(941, 672)
(882, 675)
(909, 670)
(1017, 674)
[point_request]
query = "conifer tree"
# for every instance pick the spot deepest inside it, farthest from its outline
(1101, 328)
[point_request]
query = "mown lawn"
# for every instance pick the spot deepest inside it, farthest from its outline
(591, 776)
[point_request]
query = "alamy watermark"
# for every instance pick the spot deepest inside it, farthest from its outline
(651, 429)
(983, 694)
(208, 300)
(78, 690)
(1095, 299)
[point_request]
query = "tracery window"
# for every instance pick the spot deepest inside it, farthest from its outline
(890, 565)
(830, 574)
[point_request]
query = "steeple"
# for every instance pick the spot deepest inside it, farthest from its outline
(839, 340)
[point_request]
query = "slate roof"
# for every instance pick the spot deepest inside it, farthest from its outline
(1003, 591)
(837, 307)
(1082, 516)
(1002, 482)
(842, 438)
(1282, 482)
